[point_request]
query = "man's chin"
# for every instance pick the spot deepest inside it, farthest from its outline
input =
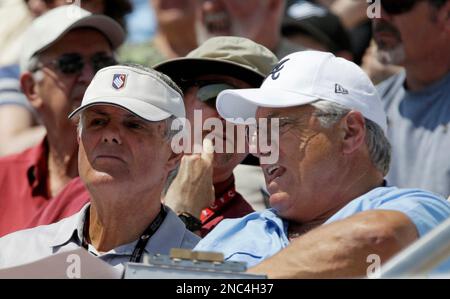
(279, 201)
(393, 56)
(102, 177)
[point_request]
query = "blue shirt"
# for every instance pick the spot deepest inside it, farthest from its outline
(260, 235)
(418, 129)
(10, 90)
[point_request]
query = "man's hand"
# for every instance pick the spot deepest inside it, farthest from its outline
(192, 190)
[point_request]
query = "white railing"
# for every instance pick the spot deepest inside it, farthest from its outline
(422, 256)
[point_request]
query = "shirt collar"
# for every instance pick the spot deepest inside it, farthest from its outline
(160, 242)
(427, 91)
(171, 226)
(222, 187)
(72, 229)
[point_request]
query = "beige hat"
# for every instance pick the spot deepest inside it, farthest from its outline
(47, 29)
(233, 56)
(139, 91)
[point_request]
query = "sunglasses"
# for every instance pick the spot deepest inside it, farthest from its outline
(73, 63)
(207, 90)
(396, 7)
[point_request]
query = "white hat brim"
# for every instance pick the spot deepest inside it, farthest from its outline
(239, 105)
(142, 109)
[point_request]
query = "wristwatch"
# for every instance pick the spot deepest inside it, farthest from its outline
(192, 223)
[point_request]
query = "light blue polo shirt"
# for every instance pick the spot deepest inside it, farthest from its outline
(259, 235)
(36, 243)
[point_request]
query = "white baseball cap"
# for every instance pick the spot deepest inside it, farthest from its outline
(47, 29)
(141, 92)
(302, 78)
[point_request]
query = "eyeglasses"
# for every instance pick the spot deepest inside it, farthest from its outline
(73, 63)
(396, 7)
(208, 90)
(283, 124)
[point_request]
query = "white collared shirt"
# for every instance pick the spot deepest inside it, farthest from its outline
(36, 243)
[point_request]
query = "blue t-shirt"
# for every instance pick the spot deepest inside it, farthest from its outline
(260, 235)
(418, 129)
(10, 90)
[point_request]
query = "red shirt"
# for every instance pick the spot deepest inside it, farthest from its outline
(25, 199)
(228, 204)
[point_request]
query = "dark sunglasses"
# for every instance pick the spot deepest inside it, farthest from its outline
(396, 7)
(73, 63)
(208, 90)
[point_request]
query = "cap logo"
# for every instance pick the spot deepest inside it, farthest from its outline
(339, 89)
(275, 73)
(119, 81)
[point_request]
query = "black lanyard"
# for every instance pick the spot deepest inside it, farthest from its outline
(146, 235)
(143, 239)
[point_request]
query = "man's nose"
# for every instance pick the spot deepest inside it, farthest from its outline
(111, 134)
(87, 73)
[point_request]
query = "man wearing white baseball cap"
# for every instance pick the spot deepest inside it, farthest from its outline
(64, 49)
(125, 156)
(331, 208)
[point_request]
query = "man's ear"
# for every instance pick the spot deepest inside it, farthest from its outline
(174, 161)
(354, 131)
(29, 88)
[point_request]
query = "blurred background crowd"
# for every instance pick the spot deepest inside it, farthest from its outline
(158, 30)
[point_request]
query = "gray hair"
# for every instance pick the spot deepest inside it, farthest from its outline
(378, 145)
(32, 67)
(33, 62)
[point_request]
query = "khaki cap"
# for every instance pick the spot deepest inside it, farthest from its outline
(233, 56)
